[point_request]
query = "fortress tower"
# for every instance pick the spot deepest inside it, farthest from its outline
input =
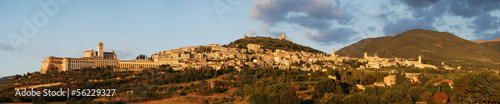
(100, 50)
(244, 35)
(365, 55)
(333, 52)
(283, 37)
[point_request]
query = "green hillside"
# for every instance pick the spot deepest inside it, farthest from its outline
(435, 47)
(272, 44)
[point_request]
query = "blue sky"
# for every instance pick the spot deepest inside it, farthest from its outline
(132, 27)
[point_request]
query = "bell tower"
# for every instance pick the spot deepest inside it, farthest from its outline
(333, 53)
(100, 50)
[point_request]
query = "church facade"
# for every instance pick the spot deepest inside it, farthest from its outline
(92, 59)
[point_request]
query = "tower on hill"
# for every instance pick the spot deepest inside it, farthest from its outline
(100, 50)
(333, 52)
(283, 37)
(419, 59)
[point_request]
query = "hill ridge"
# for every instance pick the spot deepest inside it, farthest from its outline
(272, 44)
(485, 41)
(435, 47)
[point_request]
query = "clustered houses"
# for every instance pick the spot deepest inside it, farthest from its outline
(254, 56)
(216, 56)
(391, 80)
(376, 62)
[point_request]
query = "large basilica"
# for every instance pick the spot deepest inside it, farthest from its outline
(92, 58)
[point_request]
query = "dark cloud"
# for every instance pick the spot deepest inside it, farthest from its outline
(275, 11)
(426, 11)
(483, 22)
(400, 26)
(326, 37)
(480, 10)
(471, 8)
(311, 14)
(418, 3)
(489, 36)
(324, 16)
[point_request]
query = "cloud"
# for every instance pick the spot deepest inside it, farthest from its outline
(418, 3)
(35, 54)
(311, 14)
(251, 33)
(275, 11)
(428, 10)
(348, 21)
(125, 52)
(326, 37)
(265, 29)
(6, 47)
(400, 26)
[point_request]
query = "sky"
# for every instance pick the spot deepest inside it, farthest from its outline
(31, 30)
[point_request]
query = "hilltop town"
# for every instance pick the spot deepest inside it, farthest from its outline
(217, 56)
(259, 70)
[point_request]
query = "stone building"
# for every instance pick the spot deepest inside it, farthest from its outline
(92, 59)
(254, 48)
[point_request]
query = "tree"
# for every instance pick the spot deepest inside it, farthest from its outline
(394, 96)
(408, 99)
(375, 91)
(401, 79)
(141, 56)
(357, 98)
(481, 86)
(331, 98)
(440, 97)
(422, 78)
(431, 88)
(415, 92)
(367, 79)
(260, 98)
(282, 94)
(17, 76)
(444, 87)
(427, 97)
(328, 86)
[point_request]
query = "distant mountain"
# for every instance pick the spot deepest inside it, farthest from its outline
(6, 79)
(435, 47)
(483, 41)
(495, 45)
(272, 44)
